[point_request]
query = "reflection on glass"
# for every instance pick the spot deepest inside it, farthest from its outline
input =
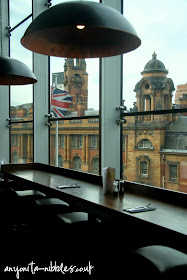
(78, 145)
(21, 143)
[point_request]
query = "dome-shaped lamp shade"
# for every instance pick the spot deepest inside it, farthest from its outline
(82, 30)
(14, 72)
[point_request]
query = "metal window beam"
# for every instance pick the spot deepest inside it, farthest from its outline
(111, 98)
(41, 97)
(4, 91)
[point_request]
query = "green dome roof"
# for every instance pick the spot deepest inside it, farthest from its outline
(154, 65)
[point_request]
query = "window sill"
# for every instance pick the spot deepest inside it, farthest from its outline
(143, 176)
(173, 182)
(143, 149)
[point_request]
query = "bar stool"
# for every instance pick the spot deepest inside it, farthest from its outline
(30, 193)
(160, 262)
(36, 200)
(24, 192)
(47, 213)
(32, 207)
(74, 217)
(51, 205)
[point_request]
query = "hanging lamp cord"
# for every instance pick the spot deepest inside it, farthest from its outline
(1, 29)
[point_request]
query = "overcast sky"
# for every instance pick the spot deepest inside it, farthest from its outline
(161, 26)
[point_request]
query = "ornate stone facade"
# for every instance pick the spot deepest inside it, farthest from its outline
(147, 157)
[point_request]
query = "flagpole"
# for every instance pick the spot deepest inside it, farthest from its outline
(56, 134)
(56, 145)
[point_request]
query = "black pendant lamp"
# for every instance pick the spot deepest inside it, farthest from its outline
(80, 29)
(14, 72)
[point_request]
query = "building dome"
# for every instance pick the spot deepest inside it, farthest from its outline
(154, 66)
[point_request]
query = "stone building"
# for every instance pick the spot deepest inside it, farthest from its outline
(181, 97)
(74, 80)
(154, 146)
(150, 155)
(78, 140)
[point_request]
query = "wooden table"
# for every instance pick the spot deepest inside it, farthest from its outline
(169, 218)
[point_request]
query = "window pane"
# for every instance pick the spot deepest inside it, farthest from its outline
(74, 141)
(96, 165)
(145, 69)
(74, 87)
(77, 163)
(145, 144)
(20, 95)
(17, 13)
(75, 93)
(80, 141)
(79, 78)
(21, 143)
(173, 172)
(76, 151)
(156, 149)
(155, 79)
(143, 168)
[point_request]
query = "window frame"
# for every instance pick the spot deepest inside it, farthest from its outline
(143, 173)
(171, 172)
(61, 140)
(170, 165)
(73, 141)
(93, 142)
(77, 163)
(95, 165)
(144, 146)
(12, 121)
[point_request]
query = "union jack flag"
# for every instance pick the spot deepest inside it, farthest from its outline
(60, 101)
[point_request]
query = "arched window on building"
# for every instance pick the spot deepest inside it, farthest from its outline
(77, 163)
(145, 144)
(60, 161)
(95, 165)
(14, 157)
